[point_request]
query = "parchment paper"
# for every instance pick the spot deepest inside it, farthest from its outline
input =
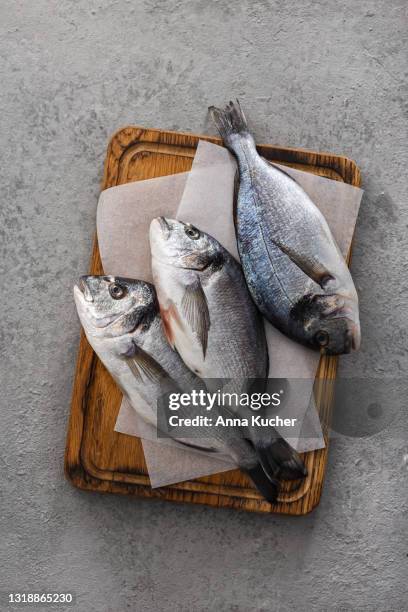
(204, 197)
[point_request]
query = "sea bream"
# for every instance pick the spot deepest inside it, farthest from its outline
(294, 269)
(212, 322)
(208, 314)
(122, 322)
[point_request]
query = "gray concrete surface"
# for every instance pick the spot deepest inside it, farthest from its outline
(329, 75)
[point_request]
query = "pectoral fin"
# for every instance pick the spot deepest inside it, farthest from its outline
(313, 268)
(143, 366)
(195, 309)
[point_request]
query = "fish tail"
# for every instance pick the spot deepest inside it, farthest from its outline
(230, 122)
(280, 459)
(268, 487)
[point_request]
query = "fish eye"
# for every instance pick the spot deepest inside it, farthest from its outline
(192, 232)
(322, 337)
(117, 291)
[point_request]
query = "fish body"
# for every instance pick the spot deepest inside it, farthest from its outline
(212, 322)
(293, 267)
(122, 322)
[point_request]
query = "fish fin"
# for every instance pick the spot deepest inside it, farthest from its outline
(268, 487)
(135, 369)
(230, 120)
(142, 365)
(197, 447)
(195, 309)
(281, 460)
(311, 267)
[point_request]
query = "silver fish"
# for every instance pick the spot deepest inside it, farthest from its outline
(208, 313)
(293, 267)
(122, 323)
(212, 322)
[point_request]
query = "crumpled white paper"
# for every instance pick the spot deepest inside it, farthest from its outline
(204, 198)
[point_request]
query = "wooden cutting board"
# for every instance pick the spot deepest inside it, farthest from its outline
(99, 459)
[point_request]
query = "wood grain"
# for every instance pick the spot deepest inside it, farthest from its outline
(99, 459)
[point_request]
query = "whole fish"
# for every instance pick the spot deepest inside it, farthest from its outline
(207, 311)
(122, 323)
(212, 322)
(293, 267)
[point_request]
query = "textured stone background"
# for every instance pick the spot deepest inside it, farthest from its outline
(326, 74)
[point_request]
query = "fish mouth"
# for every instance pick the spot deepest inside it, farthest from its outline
(348, 342)
(352, 339)
(84, 290)
(84, 299)
(86, 313)
(355, 337)
(159, 237)
(164, 226)
(346, 311)
(78, 293)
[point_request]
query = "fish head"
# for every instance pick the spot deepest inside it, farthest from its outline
(329, 323)
(110, 306)
(182, 245)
